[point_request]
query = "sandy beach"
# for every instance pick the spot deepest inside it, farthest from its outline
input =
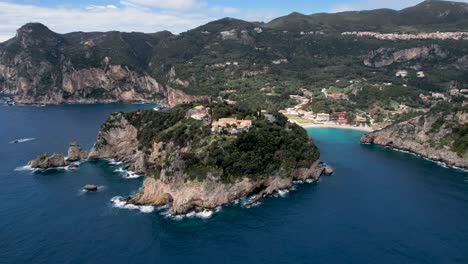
(313, 125)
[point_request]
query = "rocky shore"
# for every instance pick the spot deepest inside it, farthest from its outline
(430, 137)
(184, 197)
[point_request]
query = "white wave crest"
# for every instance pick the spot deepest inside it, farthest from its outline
(131, 175)
(25, 168)
(120, 202)
(205, 214)
(21, 140)
(127, 174)
(114, 162)
(283, 193)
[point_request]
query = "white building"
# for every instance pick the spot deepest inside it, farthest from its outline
(322, 117)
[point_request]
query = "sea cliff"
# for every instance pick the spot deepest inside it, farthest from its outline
(435, 136)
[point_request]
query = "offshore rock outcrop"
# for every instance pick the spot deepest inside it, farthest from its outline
(76, 153)
(177, 167)
(46, 161)
(435, 137)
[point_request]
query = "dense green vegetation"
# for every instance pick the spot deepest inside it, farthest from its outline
(267, 148)
(430, 15)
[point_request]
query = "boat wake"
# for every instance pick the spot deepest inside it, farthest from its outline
(21, 140)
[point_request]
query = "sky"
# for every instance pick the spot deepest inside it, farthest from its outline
(155, 15)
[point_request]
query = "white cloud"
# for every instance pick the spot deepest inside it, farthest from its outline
(96, 18)
(171, 4)
(225, 10)
(342, 8)
(100, 7)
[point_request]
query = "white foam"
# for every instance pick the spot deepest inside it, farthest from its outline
(283, 193)
(120, 202)
(205, 214)
(28, 168)
(309, 181)
(25, 168)
(114, 162)
(131, 175)
(21, 140)
(127, 174)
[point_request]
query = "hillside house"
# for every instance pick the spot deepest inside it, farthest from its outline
(231, 125)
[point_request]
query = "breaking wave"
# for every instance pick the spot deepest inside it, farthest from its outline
(127, 174)
(120, 202)
(205, 214)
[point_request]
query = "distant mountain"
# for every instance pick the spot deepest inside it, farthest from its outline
(254, 64)
(430, 15)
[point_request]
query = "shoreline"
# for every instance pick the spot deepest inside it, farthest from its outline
(441, 163)
(313, 125)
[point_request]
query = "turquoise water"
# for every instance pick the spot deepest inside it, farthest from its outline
(381, 206)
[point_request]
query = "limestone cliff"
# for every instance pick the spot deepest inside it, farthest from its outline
(190, 166)
(439, 137)
(117, 140)
(385, 57)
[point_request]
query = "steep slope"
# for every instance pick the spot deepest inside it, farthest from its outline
(40, 66)
(430, 15)
(439, 136)
(245, 63)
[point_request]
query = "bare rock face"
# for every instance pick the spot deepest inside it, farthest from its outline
(176, 97)
(418, 136)
(118, 140)
(196, 195)
(75, 153)
(45, 161)
(385, 57)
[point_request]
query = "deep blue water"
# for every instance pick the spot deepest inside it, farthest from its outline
(381, 206)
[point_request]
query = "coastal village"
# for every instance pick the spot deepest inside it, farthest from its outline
(306, 118)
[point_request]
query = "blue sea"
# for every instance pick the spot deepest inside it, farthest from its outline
(380, 206)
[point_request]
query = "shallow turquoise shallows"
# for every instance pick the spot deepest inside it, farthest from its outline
(381, 206)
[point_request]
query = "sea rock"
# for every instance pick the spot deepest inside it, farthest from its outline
(90, 188)
(75, 153)
(45, 161)
(328, 170)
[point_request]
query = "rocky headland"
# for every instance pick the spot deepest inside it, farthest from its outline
(436, 136)
(200, 157)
